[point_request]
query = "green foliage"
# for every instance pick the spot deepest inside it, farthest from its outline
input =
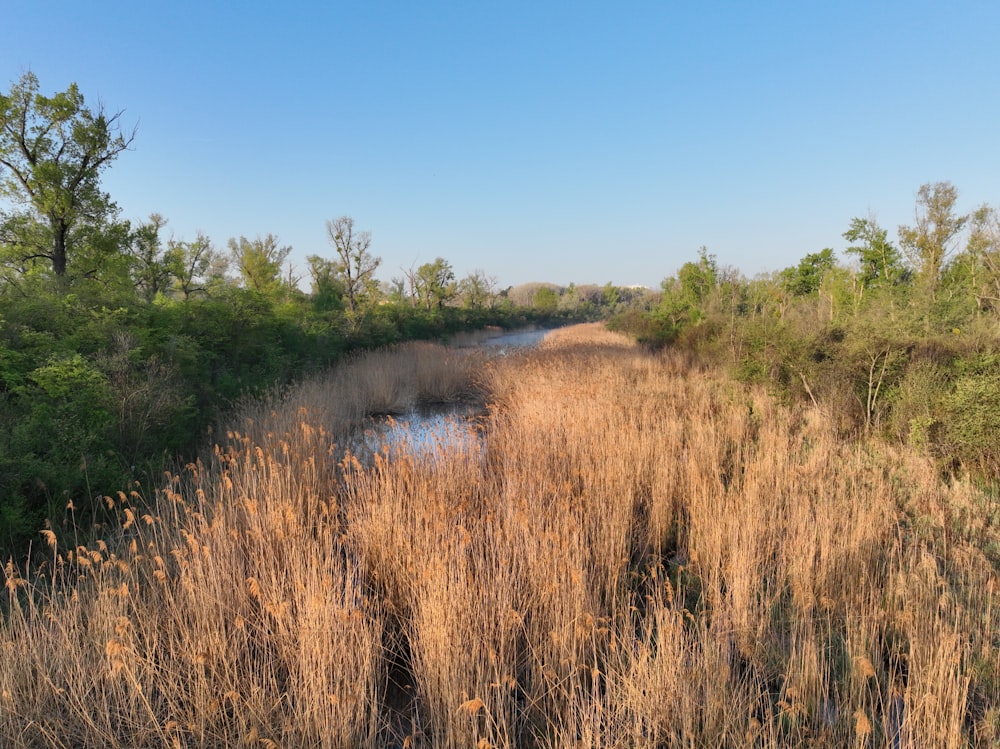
(477, 290)
(196, 266)
(697, 280)
(435, 284)
(327, 284)
(58, 444)
(260, 262)
(546, 299)
(885, 350)
(982, 260)
(881, 263)
(353, 270)
(807, 277)
(52, 152)
(685, 295)
(971, 428)
(152, 268)
(933, 238)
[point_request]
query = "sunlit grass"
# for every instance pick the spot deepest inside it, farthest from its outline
(635, 553)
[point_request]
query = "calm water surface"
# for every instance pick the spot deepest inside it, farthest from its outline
(425, 430)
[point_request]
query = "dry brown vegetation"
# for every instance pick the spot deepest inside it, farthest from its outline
(634, 552)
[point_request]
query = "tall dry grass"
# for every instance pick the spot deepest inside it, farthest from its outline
(631, 552)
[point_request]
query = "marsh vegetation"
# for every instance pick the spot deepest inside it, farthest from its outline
(633, 551)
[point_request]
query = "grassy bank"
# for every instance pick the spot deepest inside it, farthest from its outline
(637, 552)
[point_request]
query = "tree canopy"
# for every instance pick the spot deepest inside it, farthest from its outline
(355, 265)
(52, 152)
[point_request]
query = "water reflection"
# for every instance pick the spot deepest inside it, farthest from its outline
(424, 431)
(496, 340)
(521, 339)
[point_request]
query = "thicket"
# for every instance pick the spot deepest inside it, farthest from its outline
(99, 391)
(898, 339)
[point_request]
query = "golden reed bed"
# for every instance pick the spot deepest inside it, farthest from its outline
(634, 553)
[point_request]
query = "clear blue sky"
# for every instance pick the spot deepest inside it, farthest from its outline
(538, 141)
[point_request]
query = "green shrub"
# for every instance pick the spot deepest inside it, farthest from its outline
(972, 421)
(916, 404)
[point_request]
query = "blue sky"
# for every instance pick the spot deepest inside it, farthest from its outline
(538, 141)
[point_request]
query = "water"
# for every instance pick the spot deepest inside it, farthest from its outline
(424, 431)
(510, 341)
(495, 340)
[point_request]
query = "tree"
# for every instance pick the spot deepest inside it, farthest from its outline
(570, 299)
(52, 152)
(477, 290)
(983, 252)
(970, 283)
(611, 296)
(151, 266)
(929, 243)
(685, 295)
(698, 279)
(259, 261)
(355, 265)
(327, 290)
(435, 283)
(881, 263)
(807, 277)
(196, 266)
(546, 299)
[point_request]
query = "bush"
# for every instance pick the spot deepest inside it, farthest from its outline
(646, 329)
(916, 404)
(972, 421)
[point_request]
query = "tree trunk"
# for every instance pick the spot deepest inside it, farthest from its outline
(59, 231)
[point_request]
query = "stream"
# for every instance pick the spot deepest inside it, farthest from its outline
(422, 430)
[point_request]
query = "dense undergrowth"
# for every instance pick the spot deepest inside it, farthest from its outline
(636, 550)
(99, 391)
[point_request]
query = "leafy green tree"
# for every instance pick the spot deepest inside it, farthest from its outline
(686, 294)
(983, 259)
(934, 237)
(52, 152)
(355, 264)
(807, 277)
(570, 299)
(327, 286)
(197, 267)
(152, 266)
(477, 290)
(435, 284)
(260, 261)
(698, 279)
(610, 295)
(17, 232)
(70, 414)
(881, 263)
(546, 299)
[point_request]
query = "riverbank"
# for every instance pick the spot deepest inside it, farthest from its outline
(632, 552)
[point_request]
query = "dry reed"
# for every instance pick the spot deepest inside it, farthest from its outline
(627, 551)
